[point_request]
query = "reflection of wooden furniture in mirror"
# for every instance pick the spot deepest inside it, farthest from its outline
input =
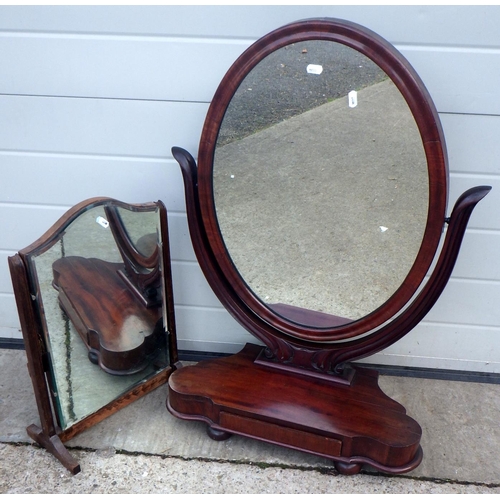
(116, 307)
(84, 319)
(141, 258)
(316, 211)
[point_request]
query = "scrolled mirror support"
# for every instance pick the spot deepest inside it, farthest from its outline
(432, 290)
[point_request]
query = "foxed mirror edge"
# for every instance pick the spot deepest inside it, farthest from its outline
(399, 71)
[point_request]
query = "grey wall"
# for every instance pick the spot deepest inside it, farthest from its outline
(93, 98)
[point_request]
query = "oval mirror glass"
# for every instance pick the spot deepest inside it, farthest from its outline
(320, 184)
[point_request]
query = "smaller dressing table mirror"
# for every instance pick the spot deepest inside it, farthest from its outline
(316, 211)
(95, 302)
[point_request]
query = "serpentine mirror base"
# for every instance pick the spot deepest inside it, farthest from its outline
(354, 424)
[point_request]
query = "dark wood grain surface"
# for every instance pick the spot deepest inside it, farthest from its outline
(319, 416)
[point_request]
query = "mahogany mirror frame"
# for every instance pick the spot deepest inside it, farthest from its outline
(31, 315)
(414, 92)
(209, 245)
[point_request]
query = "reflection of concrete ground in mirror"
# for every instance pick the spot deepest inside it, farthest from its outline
(82, 387)
(280, 86)
(326, 210)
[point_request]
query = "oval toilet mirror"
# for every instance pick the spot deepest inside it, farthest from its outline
(316, 211)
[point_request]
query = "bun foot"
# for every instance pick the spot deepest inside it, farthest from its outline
(93, 357)
(218, 435)
(347, 469)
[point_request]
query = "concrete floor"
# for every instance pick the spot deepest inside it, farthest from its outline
(143, 449)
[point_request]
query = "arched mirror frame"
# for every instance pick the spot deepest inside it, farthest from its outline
(51, 434)
(237, 296)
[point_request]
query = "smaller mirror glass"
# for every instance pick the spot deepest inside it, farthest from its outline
(101, 297)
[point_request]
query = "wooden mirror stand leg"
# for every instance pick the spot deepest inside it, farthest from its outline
(54, 445)
(46, 435)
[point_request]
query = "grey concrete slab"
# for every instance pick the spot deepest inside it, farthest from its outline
(142, 448)
(460, 424)
(109, 472)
